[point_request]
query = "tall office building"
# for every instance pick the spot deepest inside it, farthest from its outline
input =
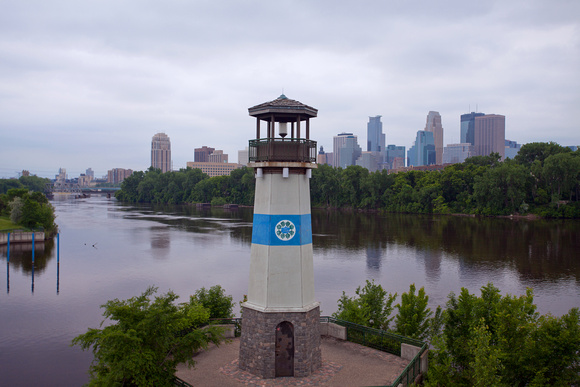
(243, 157)
(201, 155)
(395, 152)
(117, 175)
(62, 176)
(489, 135)
(369, 161)
(375, 136)
(511, 149)
(434, 126)
(457, 153)
(423, 151)
(346, 150)
(468, 127)
(161, 152)
(218, 156)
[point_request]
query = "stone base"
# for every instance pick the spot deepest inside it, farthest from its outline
(258, 347)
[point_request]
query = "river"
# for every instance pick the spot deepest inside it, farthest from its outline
(111, 250)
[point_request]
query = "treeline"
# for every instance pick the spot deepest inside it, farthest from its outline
(31, 183)
(486, 340)
(543, 179)
(188, 186)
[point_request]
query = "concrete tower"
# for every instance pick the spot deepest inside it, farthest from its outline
(489, 135)
(434, 125)
(161, 152)
(280, 329)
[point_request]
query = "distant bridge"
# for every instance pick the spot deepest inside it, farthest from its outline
(73, 189)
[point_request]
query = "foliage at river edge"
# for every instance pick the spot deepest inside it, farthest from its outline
(486, 340)
(150, 337)
(543, 179)
(28, 209)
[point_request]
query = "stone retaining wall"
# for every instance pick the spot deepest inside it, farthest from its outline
(21, 237)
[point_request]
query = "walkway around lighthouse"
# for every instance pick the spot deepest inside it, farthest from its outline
(343, 364)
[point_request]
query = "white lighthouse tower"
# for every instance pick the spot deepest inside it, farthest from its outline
(280, 327)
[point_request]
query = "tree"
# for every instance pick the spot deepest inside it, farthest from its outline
(371, 307)
(147, 340)
(562, 174)
(216, 301)
(413, 317)
(502, 340)
(540, 151)
(30, 209)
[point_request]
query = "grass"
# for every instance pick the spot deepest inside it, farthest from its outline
(6, 224)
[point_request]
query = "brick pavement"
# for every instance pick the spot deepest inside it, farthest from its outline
(343, 364)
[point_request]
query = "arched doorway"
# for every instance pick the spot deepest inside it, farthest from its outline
(285, 349)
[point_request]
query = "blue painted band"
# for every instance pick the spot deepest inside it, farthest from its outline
(282, 230)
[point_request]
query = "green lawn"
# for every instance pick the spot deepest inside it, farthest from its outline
(6, 224)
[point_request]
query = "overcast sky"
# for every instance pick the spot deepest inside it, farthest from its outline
(88, 83)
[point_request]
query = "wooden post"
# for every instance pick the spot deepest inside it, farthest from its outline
(257, 128)
(273, 127)
(307, 128)
(298, 127)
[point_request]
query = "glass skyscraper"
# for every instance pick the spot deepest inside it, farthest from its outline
(468, 127)
(375, 136)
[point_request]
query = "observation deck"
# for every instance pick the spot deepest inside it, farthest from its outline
(299, 150)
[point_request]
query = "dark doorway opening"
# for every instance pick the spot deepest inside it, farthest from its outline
(285, 349)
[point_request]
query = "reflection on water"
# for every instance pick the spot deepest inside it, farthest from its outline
(111, 250)
(544, 250)
(21, 255)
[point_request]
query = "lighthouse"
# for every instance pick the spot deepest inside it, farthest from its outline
(280, 327)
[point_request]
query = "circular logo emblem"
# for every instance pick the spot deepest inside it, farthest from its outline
(285, 230)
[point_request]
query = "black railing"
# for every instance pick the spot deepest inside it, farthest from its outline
(384, 341)
(282, 149)
(375, 338)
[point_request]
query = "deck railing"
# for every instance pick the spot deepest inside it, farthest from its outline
(386, 342)
(374, 338)
(282, 149)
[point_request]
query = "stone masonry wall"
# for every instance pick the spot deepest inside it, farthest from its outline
(258, 347)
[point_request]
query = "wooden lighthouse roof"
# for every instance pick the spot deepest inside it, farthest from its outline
(283, 109)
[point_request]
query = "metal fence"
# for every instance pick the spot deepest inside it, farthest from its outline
(374, 338)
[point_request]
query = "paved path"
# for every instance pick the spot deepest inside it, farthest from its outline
(343, 364)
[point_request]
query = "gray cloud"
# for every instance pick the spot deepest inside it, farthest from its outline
(87, 84)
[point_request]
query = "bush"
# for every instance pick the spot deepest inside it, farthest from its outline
(147, 340)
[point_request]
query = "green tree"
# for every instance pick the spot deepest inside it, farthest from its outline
(34, 183)
(30, 209)
(353, 185)
(503, 189)
(562, 174)
(413, 317)
(502, 340)
(486, 364)
(146, 340)
(371, 307)
(539, 151)
(216, 301)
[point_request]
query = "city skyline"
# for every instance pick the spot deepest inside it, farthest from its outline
(83, 85)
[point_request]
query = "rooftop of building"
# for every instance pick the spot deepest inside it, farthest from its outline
(282, 105)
